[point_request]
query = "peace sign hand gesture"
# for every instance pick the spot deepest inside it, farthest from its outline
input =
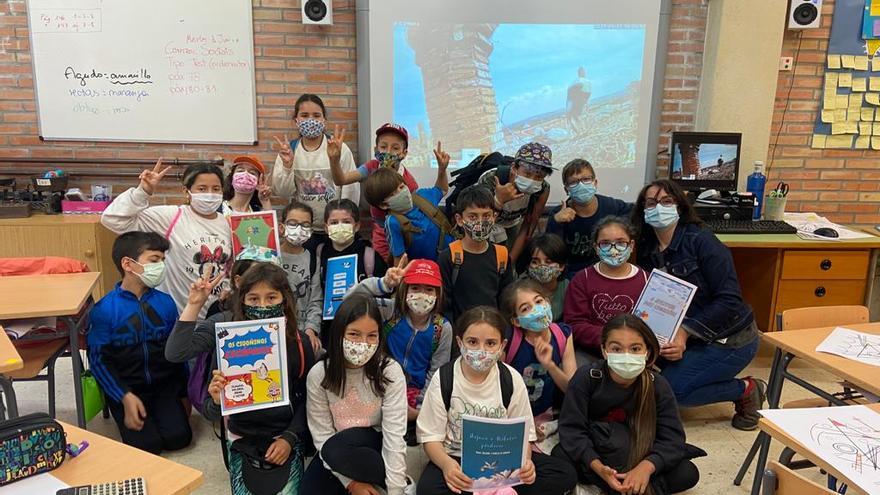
(284, 151)
(264, 192)
(201, 289)
(441, 156)
(395, 274)
(334, 145)
(150, 178)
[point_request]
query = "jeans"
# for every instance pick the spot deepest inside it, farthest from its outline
(706, 374)
(355, 453)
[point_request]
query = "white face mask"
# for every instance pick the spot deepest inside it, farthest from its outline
(205, 203)
(341, 233)
(420, 303)
(297, 235)
(358, 353)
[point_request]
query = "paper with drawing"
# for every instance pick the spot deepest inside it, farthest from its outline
(858, 346)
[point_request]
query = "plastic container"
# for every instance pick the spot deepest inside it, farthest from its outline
(774, 208)
(755, 185)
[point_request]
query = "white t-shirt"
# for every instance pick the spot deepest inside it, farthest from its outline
(196, 242)
(309, 179)
(435, 424)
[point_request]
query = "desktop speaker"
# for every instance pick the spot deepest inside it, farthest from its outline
(317, 12)
(804, 14)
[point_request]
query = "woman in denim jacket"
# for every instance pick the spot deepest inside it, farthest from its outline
(718, 337)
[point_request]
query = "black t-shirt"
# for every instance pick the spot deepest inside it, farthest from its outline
(478, 283)
(578, 232)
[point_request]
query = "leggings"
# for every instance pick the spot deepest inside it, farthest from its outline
(355, 453)
(554, 476)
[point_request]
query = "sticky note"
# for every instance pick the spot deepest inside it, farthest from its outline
(875, 8)
(867, 114)
(848, 61)
(859, 84)
(839, 142)
(875, 64)
(842, 101)
(819, 141)
(876, 130)
(844, 79)
(839, 115)
(865, 128)
(872, 98)
(861, 62)
(829, 101)
(863, 142)
(827, 116)
(855, 100)
(875, 83)
(831, 79)
(852, 127)
(833, 61)
(838, 128)
(875, 143)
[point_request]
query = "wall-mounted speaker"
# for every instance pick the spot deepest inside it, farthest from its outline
(804, 14)
(319, 12)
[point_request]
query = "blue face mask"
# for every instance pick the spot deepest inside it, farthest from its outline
(582, 193)
(613, 257)
(661, 216)
(538, 319)
(526, 185)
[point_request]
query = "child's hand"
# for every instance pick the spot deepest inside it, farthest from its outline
(361, 488)
(607, 474)
(201, 289)
(215, 388)
(334, 145)
(441, 156)
(674, 349)
(527, 472)
(150, 178)
(135, 412)
(394, 275)
(506, 193)
(455, 478)
(565, 215)
(278, 452)
(314, 339)
(284, 151)
(544, 353)
(636, 480)
(264, 192)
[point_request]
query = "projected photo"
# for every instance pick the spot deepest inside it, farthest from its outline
(484, 87)
(704, 161)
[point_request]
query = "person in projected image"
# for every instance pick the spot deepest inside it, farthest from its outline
(576, 104)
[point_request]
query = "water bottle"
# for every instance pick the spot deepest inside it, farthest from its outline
(755, 185)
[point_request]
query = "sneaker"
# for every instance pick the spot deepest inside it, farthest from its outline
(410, 488)
(746, 417)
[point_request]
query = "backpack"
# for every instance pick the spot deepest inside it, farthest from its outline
(447, 377)
(517, 339)
(471, 173)
(369, 261)
(433, 213)
(456, 253)
(197, 382)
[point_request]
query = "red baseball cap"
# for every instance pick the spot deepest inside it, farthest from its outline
(250, 160)
(392, 128)
(424, 272)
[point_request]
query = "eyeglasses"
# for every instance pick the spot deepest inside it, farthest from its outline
(586, 182)
(619, 245)
(293, 225)
(665, 201)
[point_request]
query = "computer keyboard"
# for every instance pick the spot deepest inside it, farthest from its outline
(749, 227)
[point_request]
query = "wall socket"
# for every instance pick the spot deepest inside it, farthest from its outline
(785, 63)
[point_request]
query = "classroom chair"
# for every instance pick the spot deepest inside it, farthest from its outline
(780, 480)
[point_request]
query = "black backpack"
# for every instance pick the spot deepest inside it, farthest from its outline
(447, 377)
(470, 174)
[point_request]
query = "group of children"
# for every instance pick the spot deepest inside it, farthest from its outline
(475, 314)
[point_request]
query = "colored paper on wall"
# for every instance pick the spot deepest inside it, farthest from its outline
(819, 141)
(852, 127)
(831, 79)
(844, 141)
(861, 62)
(865, 127)
(833, 61)
(855, 100)
(848, 61)
(839, 115)
(863, 142)
(859, 84)
(875, 142)
(828, 116)
(844, 79)
(875, 83)
(872, 98)
(829, 102)
(867, 114)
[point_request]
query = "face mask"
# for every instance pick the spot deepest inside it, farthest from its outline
(526, 185)
(478, 359)
(341, 233)
(613, 257)
(545, 273)
(582, 193)
(263, 312)
(310, 128)
(538, 319)
(627, 365)
(401, 201)
(419, 303)
(205, 203)
(297, 235)
(479, 230)
(153, 274)
(244, 182)
(387, 160)
(358, 353)
(661, 216)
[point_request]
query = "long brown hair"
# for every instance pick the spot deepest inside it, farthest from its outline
(642, 424)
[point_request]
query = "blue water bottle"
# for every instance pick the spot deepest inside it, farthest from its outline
(755, 185)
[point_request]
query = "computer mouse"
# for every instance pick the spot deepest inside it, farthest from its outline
(826, 232)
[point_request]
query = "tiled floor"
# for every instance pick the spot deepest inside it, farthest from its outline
(707, 427)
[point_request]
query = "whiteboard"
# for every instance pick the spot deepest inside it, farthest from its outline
(158, 71)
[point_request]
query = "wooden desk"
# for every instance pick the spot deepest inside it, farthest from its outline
(80, 237)
(9, 358)
(782, 271)
(64, 296)
(801, 344)
(774, 431)
(108, 460)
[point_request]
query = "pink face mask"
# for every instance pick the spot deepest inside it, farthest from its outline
(244, 182)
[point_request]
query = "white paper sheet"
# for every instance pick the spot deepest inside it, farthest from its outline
(858, 346)
(846, 437)
(806, 223)
(44, 484)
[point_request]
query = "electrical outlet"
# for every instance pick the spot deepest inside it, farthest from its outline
(785, 63)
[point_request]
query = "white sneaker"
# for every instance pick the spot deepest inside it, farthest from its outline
(410, 488)
(587, 490)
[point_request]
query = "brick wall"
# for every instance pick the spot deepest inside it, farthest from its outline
(843, 185)
(290, 59)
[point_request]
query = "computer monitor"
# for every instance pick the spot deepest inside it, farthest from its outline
(705, 160)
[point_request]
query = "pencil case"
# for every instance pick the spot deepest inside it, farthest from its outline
(30, 445)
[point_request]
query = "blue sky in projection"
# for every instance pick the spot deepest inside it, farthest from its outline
(708, 155)
(532, 66)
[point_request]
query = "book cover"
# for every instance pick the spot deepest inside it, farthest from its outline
(663, 304)
(255, 236)
(341, 277)
(251, 355)
(493, 451)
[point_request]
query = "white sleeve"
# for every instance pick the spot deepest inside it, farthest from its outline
(131, 211)
(283, 179)
(394, 409)
(318, 413)
(520, 407)
(346, 161)
(431, 423)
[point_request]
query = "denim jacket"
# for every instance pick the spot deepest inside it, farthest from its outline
(718, 310)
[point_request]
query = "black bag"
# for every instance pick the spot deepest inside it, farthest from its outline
(471, 173)
(30, 445)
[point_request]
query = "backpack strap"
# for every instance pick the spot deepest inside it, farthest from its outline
(389, 325)
(406, 228)
(503, 173)
(438, 333)
(173, 223)
(501, 259)
(447, 376)
(559, 335)
(436, 216)
(456, 253)
(506, 379)
(369, 261)
(515, 342)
